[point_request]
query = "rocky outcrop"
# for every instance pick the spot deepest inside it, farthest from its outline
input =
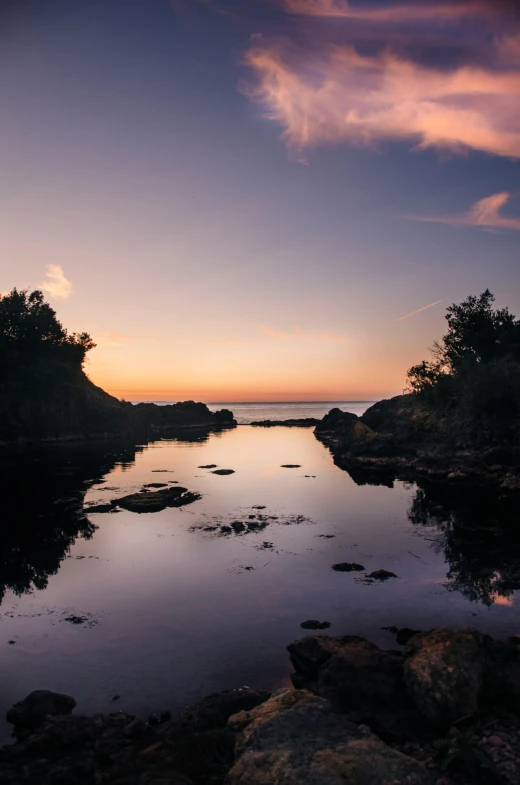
(444, 673)
(358, 715)
(297, 738)
(304, 422)
(402, 438)
(441, 677)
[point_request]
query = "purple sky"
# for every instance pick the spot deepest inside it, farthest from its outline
(243, 200)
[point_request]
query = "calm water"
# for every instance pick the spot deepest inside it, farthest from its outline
(246, 413)
(174, 608)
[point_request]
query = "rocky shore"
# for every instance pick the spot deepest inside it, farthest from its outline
(401, 438)
(443, 710)
(304, 422)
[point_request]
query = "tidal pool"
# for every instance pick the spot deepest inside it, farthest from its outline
(162, 608)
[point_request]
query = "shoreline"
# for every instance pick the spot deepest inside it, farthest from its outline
(443, 710)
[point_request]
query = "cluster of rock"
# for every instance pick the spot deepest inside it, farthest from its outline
(403, 438)
(444, 710)
(303, 422)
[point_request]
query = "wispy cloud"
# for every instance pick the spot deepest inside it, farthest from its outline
(297, 334)
(402, 12)
(484, 214)
(419, 310)
(331, 85)
(57, 285)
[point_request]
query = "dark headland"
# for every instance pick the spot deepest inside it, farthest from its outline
(45, 394)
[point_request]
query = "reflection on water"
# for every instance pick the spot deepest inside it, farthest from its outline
(479, 537)
(169, 606)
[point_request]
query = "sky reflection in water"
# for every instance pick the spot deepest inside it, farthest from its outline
(171, 611)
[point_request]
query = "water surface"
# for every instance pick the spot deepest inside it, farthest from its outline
(174, 608)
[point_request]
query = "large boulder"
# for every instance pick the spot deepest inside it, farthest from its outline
(360, 680)
(297, 738)
(31, 712)
(444, 673)
(347, 433)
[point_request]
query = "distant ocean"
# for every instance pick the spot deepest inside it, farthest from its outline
(246, 413)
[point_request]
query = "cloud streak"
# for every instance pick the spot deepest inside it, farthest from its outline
(419, 310)
(332, 85)
(484, 214)
(57, 284)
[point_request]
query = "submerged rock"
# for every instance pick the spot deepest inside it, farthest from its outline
(146, 501)
(223, 471)
(208, 466)
(312, 624)
(348, 567)
(290, 466)
(381, 575)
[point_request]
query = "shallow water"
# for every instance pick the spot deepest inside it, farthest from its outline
(170, 611)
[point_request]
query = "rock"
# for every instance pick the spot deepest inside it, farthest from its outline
(209, 466)
(146, 501)
(99, 508)
(296, 738)
(404, 634)
(310, 653)
(495, 741)
(155, 485)
(214, 710)
(31, 712)
(444, 673)
(290, 466)
(305, 422)
(223, 471)
(348, 567)
(312, 624)
(381, 575)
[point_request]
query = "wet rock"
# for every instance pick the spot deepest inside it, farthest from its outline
(146, 501)
(31, 712)
(298, 739)
(348, 567)
(76, 619)
(444, 673)
(310, 653)
(214, 710)
(258, 507)
(99, 508)
(381, 575)
(209, 466)
(290, 466)
(312, 624)
(223, 471)
(155, 485)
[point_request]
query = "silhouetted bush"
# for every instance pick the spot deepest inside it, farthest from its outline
(473, 378)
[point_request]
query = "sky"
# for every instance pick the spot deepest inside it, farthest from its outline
(254, 200)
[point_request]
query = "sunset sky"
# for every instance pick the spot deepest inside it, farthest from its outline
(258, 199)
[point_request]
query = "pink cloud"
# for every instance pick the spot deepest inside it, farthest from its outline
(402, 12)
(330, 84)
(485, 214)
(339, 95)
